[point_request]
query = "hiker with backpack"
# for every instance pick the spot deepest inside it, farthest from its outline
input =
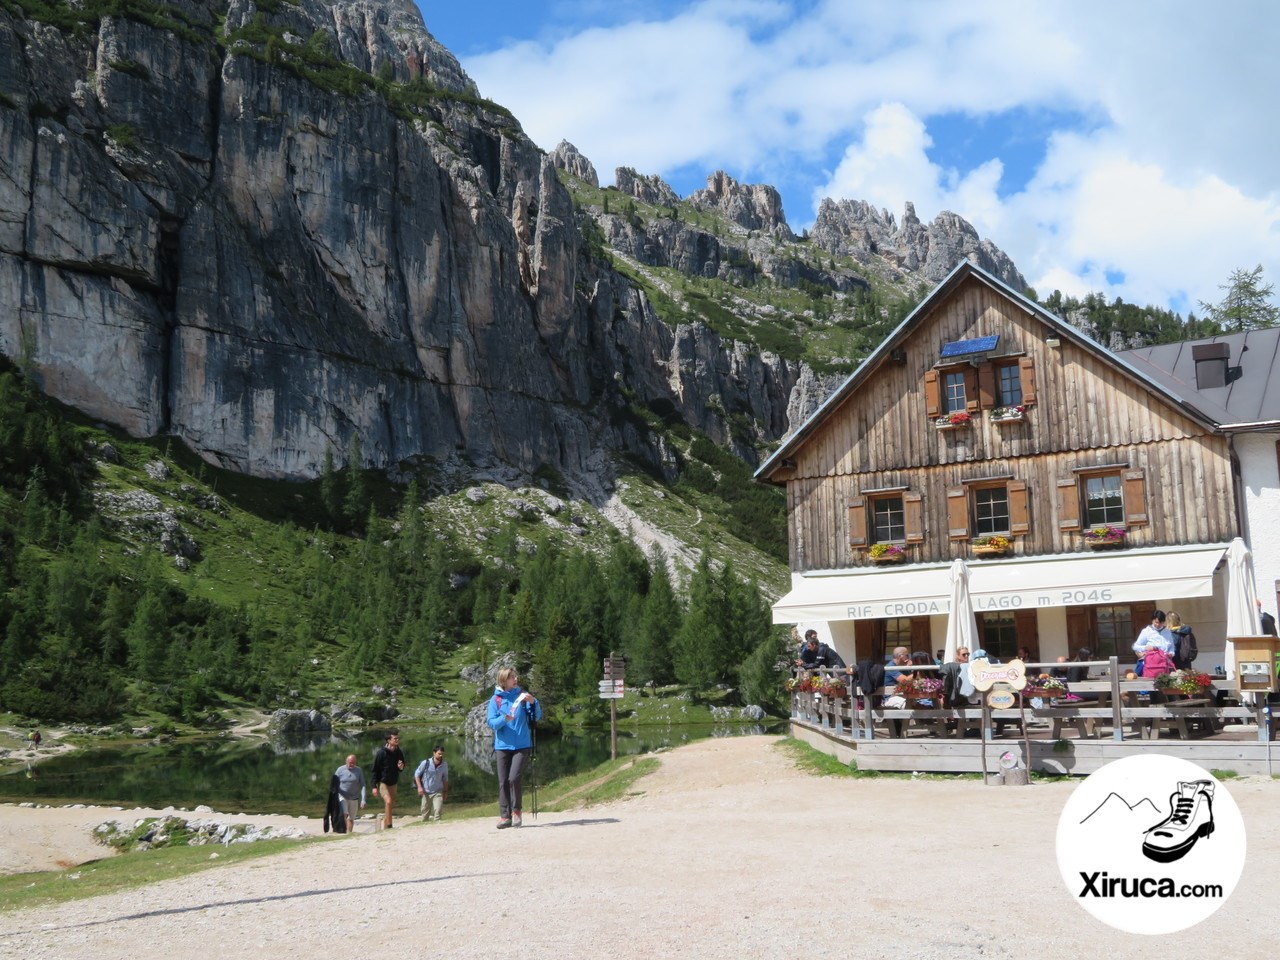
(1154, 648)
(1184, 641)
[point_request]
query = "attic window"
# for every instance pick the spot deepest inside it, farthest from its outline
(966, 348)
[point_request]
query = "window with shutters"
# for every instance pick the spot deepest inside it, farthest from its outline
(999, 635)
(1103, 500)
(1114, 631)
(988, 506)
(991, 510)
(885, 515)
(1008, 385)
(1114, 495)
(953, 392)
(888, 520)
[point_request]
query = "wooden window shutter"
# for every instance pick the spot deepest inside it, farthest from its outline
(932, 397)
(971, 391)
(958, 513)
(857, 522)
(921, 635)
(1027, 374)
(1135, 497)
(1026, 623)
(1079, 630)
(1140, 615)
(987, 385)
(864, 640)
(1068, 505)
(1019, 510)
(913, 517)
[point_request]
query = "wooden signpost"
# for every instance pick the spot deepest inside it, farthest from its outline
(613, 688)
(1005, 678)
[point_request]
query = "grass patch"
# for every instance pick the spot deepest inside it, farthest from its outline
(23, 890)
(124, 136)
(815, 762)
(611, 780)
(1224, 774)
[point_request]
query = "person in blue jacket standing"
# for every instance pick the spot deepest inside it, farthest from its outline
(511, 710)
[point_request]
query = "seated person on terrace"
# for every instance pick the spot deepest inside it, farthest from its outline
(892, 674)
(814, 654)
(957, 687)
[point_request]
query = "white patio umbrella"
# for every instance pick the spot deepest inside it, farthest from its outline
(1242, 602)
(962, 628)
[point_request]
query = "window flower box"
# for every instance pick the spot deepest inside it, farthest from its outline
(953, 420)
(1104, 538)
(886, 553)
(1012, 414)
(993, 546)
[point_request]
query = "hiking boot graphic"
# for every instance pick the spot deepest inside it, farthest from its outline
(1190, 818)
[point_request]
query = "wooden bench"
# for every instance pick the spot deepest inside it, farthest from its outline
(1177, 716)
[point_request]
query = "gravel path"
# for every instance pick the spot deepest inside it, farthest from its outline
(729, 852)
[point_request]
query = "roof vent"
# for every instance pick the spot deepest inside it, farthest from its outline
(1211, 361)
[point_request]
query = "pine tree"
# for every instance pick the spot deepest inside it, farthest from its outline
(699, 644)
(1247, 304)
(355, 505)
(651, 650)
(330, 488)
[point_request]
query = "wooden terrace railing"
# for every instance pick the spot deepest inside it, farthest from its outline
(1110, 702)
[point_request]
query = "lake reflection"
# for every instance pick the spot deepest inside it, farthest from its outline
(293, 777)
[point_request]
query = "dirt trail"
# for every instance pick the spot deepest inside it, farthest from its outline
(729, 852)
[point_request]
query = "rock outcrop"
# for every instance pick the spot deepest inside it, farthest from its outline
(645, 188)
(856, 229)
(566, 157)
(755, 206)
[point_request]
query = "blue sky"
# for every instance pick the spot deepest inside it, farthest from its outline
(1127, 148)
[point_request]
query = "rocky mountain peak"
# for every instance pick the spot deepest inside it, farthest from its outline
(567, 157)
(645, 188)
(856, 229)
(755, 206)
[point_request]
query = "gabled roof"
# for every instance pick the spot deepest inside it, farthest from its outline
(963, 271)
(1252, 400)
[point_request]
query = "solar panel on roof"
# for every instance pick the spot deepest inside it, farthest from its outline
(960, 348)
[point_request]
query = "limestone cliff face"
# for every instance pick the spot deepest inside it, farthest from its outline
(266, 229)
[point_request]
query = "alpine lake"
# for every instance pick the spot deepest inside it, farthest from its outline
(238, 776)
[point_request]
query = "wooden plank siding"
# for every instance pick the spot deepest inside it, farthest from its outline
(1087, 413)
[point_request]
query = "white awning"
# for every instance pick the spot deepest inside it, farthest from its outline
(1128, 576)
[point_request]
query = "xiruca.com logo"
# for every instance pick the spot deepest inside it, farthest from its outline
(1151, 844)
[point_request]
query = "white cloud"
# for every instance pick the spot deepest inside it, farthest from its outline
(1172, 185)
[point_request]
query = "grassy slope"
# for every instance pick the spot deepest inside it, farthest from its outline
(250, 541)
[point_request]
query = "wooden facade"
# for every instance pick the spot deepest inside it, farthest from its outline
(1085, 412)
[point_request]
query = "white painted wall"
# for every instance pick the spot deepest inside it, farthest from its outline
(1261, 478)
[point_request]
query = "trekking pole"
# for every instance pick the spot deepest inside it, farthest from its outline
(533, 756)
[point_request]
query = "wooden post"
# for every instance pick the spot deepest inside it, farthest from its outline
(985, 731)
(1117, 705)
(1026, 736)
(613, 729)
